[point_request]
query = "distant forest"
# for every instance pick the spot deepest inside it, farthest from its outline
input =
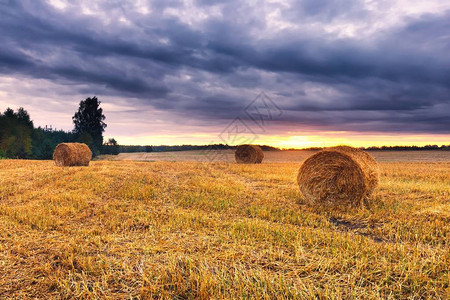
(270, 148)
(20, 139)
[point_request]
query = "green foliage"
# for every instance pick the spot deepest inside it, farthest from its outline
(89, 125)
(44, 142)
(15, 134)
(86, 138)
(111, 147)
(19, 138)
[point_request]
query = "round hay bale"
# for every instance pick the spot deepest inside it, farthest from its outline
(249, 154)
(339, 175)
(72, 154)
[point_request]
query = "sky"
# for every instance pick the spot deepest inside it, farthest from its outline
(285, 73)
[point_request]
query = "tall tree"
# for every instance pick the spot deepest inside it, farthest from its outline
(89, 123)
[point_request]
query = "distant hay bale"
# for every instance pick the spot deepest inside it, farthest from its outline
(72, 154)
(249, 154)
(339, 175)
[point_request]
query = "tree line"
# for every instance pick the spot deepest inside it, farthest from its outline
(20, 139)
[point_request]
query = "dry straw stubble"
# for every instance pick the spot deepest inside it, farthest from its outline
(72, 154)
(339, 175)
(249, 154)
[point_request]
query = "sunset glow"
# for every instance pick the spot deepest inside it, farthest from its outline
(326, 139)
(171, 73)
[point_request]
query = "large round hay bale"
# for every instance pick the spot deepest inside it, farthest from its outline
(339, 175)
(249, 154)
(72, 154)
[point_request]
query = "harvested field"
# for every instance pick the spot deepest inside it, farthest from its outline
(126, 229)
(275, 156)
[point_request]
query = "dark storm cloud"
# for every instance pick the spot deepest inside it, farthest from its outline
(11, 61)
(210, 60)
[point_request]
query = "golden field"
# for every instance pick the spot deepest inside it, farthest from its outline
(184, 229)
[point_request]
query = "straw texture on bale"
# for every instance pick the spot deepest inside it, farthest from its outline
(339, 175)
(249, 154)
(72, 154)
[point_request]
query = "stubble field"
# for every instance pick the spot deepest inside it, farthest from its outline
(185, 229)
